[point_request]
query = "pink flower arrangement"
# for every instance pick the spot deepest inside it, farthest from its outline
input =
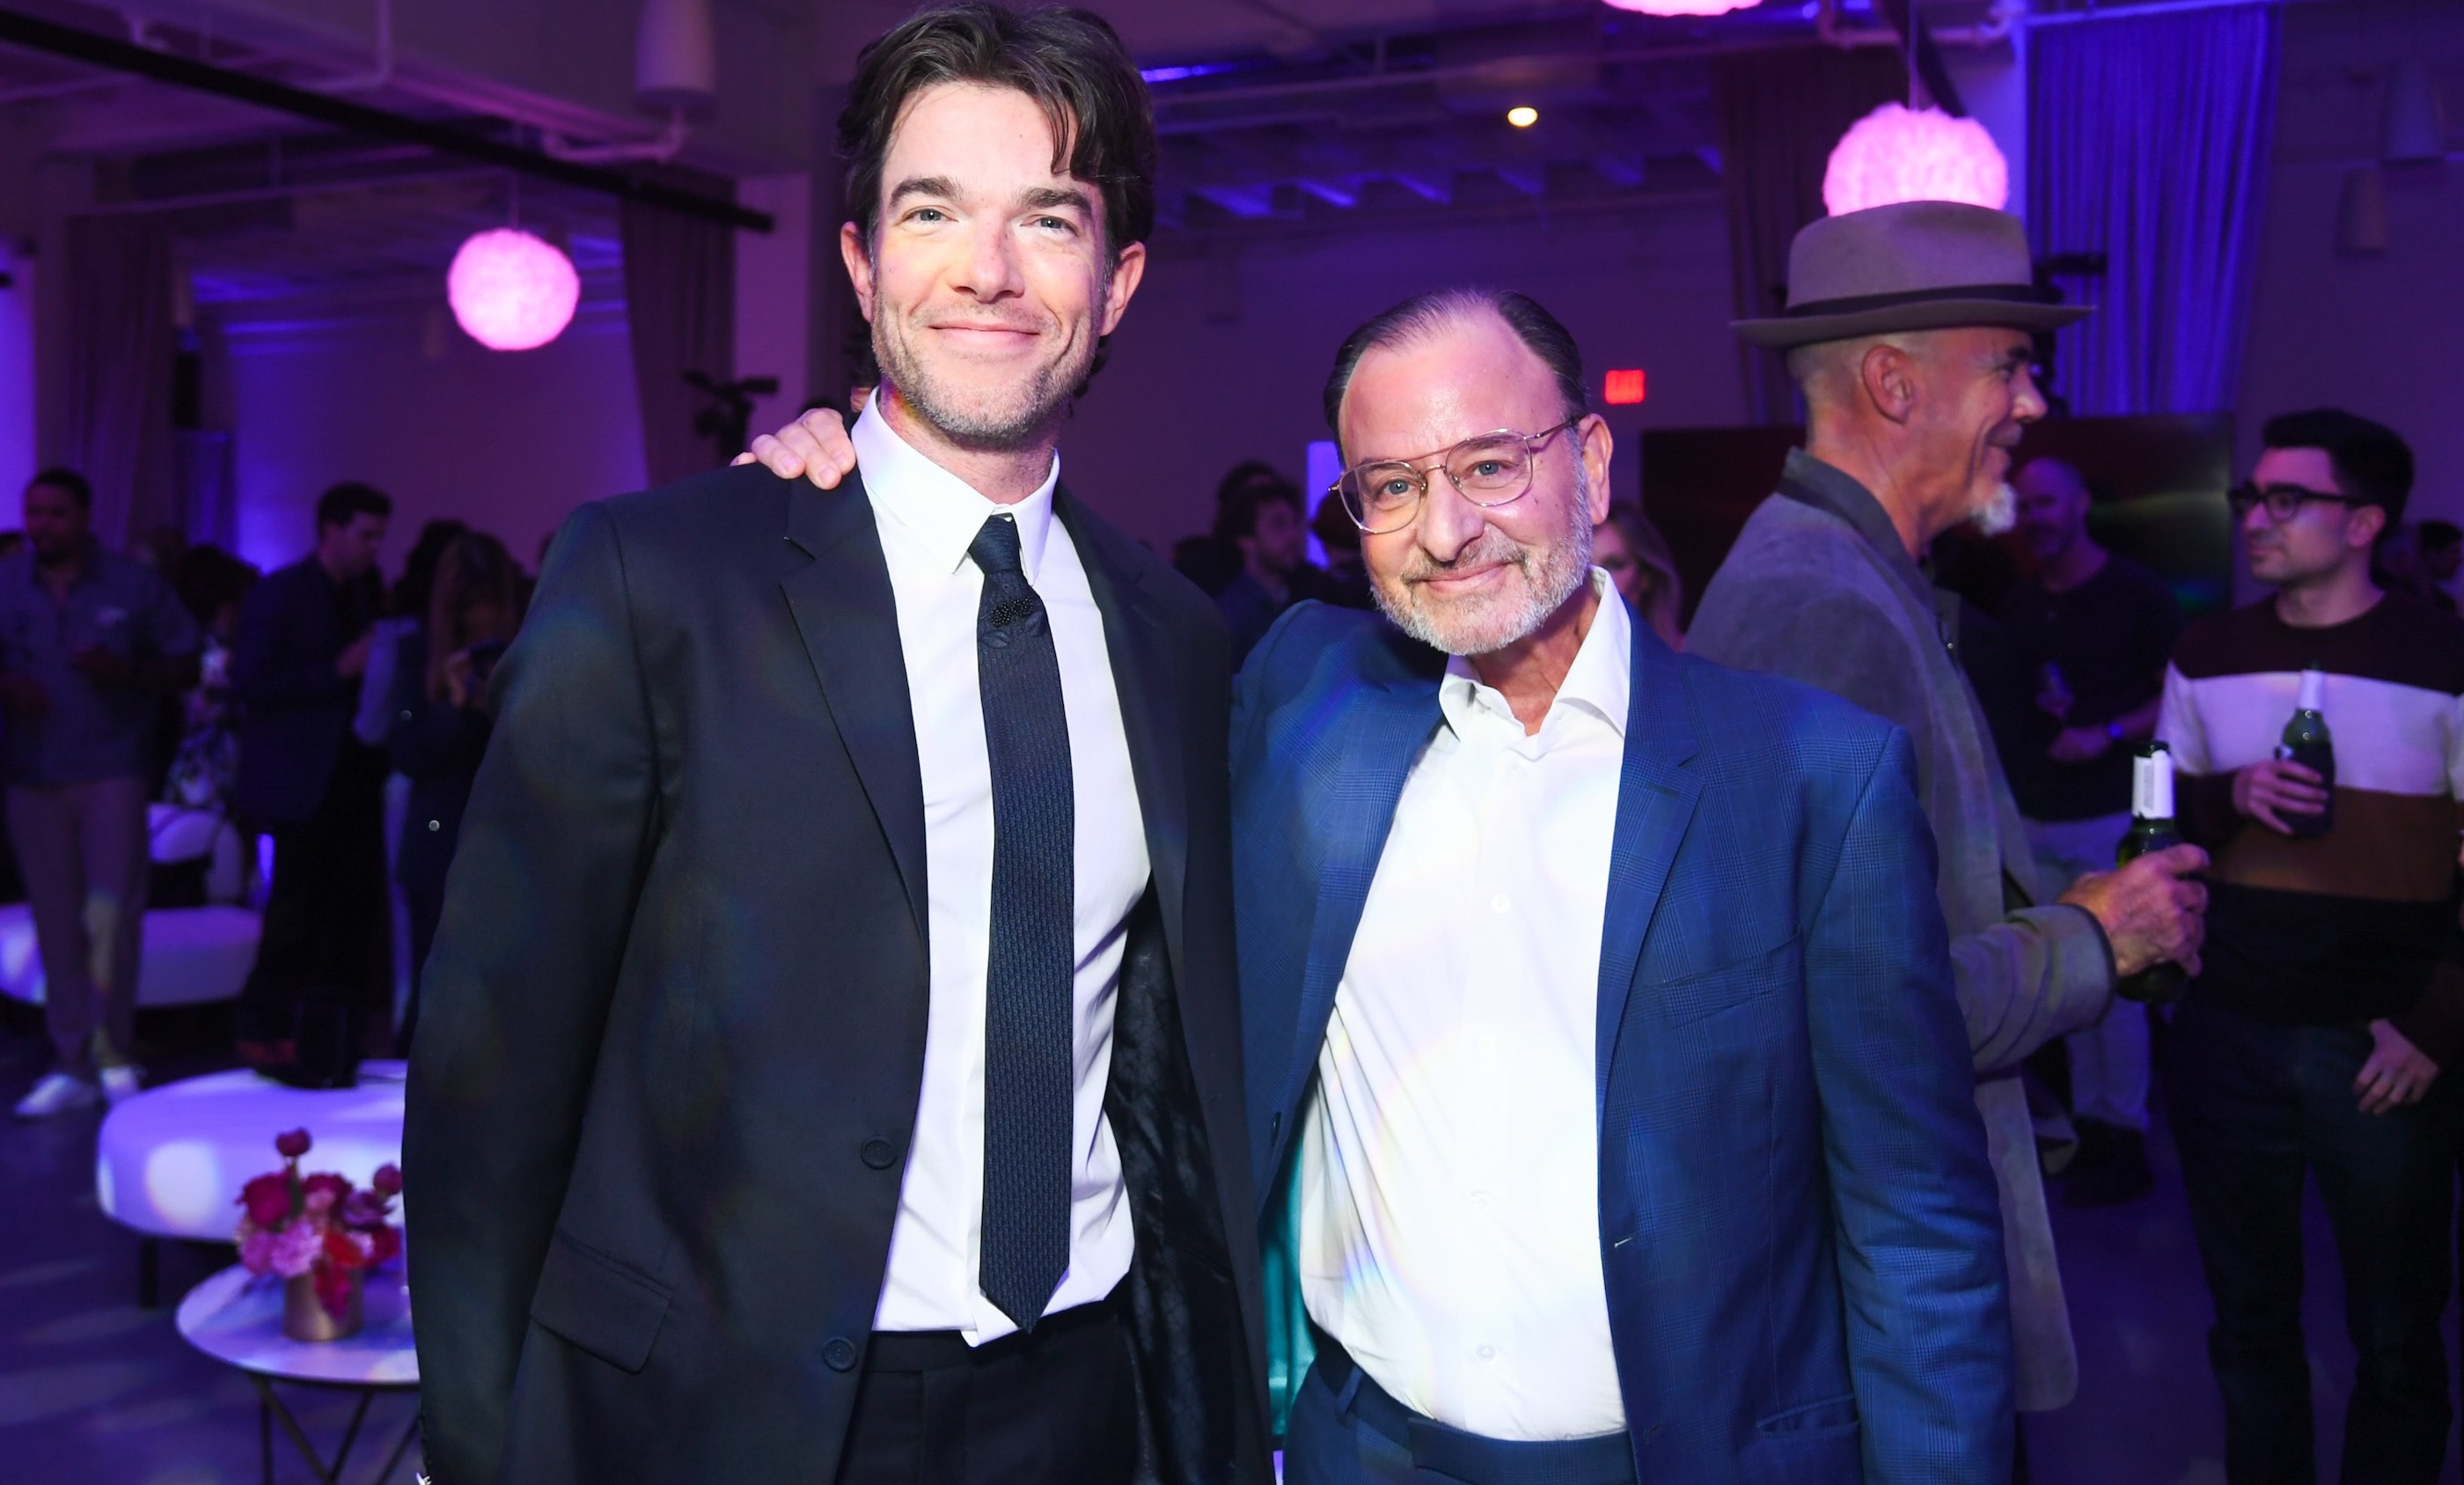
(319, 1225)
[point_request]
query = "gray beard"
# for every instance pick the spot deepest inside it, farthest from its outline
(1551, 575)
(1999, 512)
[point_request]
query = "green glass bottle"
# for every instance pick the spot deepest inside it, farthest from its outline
(2308, 742)
(2151, 829)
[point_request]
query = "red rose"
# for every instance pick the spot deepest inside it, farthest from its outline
(388, 1180)
(385, 1243)
(343, 1253)
(293, 1145)
(333, 1187)
(334, 1291)
(268, 1200)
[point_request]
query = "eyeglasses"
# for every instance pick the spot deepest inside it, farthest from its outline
(2283, 503)
(1489, 471)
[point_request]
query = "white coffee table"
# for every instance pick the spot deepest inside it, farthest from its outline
(236, 1318)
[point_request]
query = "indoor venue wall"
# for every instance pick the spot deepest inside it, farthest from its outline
(1225, 350)
(510, 442)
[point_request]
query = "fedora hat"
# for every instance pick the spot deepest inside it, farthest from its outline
(1915, 265)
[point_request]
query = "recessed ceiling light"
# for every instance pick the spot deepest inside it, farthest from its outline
(1523, 116)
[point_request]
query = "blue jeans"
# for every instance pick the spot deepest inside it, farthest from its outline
(2257, 1107)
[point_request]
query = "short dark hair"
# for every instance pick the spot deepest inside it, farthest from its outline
(339, 505)
(61, 477)
(2372, 462)
(1425, 313)
(1248, 486)
(2436, 535)
(1070, 62)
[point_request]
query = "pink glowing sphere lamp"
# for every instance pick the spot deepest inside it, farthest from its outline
(1897, 154)
(510, 291)
(1684, 7)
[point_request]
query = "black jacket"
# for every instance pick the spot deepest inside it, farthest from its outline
(298, 710)
(674, 1032)
(437, 747)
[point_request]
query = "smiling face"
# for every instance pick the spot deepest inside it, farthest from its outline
(1465, 579)
(988, 283)
(1978, 393)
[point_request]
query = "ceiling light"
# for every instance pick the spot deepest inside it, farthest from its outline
(1684, 7)
(510, 291)
(1523, 116)
(1897, 154)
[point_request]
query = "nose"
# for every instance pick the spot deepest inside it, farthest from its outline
(2027, 404)
(1449, 522)
(990, 270)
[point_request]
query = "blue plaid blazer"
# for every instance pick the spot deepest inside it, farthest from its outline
(1798, 1223)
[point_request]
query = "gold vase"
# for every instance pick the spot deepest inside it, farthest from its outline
(305, 1317)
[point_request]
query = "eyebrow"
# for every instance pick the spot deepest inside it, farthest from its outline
(1040, 198)
(923, 185)
(1047, 198)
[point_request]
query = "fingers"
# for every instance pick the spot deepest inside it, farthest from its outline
(2265, 814)
(776, 458)
(2289, 772)
(742, 458)
(2181, 860)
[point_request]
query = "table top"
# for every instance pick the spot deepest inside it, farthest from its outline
(236, 1318)
(171, 1161)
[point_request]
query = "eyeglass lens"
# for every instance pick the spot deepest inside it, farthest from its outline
(1490, 470)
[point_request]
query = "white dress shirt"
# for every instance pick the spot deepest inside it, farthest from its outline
(1450, 1233)
(926, 518)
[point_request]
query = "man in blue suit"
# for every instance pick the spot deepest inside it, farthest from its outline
(1604, 1071)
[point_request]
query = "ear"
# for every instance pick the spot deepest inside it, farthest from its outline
(2363, 529)
(1595, 449)
(1888, 374)
(853, 249)
(1128, 270)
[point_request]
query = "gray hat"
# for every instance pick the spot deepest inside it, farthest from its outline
(1916, 265)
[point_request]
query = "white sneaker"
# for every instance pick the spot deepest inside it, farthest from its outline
(121, 1083)
(58, 1094)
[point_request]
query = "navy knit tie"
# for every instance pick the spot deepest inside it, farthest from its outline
(1028, 1024)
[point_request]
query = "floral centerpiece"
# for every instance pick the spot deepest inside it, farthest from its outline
(321, 1235)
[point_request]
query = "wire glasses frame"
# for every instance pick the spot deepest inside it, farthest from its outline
(1489, 469)
(2283, 503)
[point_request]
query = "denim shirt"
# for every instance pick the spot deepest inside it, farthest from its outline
(91, 731)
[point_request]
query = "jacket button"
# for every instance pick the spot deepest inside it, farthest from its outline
(839, 1355)
(879, 1153)
(436, 824)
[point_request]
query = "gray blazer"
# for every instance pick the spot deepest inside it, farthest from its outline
(1820, 588)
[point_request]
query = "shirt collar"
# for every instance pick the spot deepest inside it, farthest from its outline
(1826, 487)
(1600, 682)
(939, 512)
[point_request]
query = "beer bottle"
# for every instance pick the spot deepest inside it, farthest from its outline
(2306, 742)
(2151, 829)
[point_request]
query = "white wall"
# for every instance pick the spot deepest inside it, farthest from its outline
(1219, 363)
(507, 441)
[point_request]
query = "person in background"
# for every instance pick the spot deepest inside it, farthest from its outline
(2094, 630)
(324, 964)
(441, 725)
(1631, 550)
(2334, 993)
(1908, 331)
(90, 642)
(411, 591)
(204, 768)
(11, 542)
(2441, 546)
(1345, 582)
(1209, 563)
(1258, 511)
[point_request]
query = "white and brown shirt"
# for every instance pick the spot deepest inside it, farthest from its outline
(2362, 923)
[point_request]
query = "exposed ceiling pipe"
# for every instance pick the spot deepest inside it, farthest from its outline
(664, 148)
(378, 75)
(1999, 22)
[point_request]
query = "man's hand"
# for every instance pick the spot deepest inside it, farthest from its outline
(815, 446)
(2080, 745)
(23, 695)
(2148, 912)
(353, 661)
(104, 666)
(2268, 791)
(460, 676)
(2396, 1074)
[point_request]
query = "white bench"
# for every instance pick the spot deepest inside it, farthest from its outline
(193, 955)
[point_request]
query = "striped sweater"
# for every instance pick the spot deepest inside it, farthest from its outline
(2362, 922)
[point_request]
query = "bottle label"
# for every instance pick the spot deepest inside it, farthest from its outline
(2151, 785)
(2314, 691)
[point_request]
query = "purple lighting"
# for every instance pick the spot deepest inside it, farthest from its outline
(1898, 154)
(512, 291)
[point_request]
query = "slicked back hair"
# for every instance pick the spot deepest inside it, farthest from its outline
(1068, 60)
(1426, 314)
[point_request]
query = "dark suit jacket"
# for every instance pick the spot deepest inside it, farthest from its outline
(298, 710)
(1797, 1223)
(672, 1033)
(436, 745)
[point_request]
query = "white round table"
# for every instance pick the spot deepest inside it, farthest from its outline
(193, 955)
(171, 1161)
(236, 1318)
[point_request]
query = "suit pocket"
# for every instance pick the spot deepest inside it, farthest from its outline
(1830, 1415)
(1748, 978)
(598, 1304)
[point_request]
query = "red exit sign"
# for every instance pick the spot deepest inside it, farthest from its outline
(1624, 388)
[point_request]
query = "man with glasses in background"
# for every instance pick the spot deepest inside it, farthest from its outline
(2333, 993)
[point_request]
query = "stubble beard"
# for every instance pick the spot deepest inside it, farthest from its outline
(1550, 575)
(982, 424)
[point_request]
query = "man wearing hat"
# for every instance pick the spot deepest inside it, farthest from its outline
(1908, 328)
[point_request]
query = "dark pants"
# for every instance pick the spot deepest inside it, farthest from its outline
(426, 905)
(1057, 1408)
(1345, 1429)
(328, 936)
(2256, 1106)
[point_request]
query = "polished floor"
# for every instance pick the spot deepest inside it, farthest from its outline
(95, 1390)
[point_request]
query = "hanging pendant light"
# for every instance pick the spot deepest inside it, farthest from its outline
(512, 291)
(1683, 7)
(1914, 154)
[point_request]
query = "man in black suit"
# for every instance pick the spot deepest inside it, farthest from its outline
(830, 1064)
(325, 965)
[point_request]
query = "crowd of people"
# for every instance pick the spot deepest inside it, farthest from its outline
(177, 679)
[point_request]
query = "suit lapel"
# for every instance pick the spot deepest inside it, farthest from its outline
(1656, 798)
(1139, 649)
(849, 619)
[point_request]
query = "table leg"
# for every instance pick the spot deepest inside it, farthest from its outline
(291, 1427)
(265, 1430)
(401, 1447)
